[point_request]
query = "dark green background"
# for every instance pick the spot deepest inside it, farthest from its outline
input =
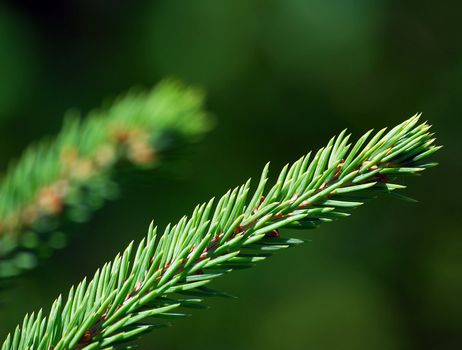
(282, 77)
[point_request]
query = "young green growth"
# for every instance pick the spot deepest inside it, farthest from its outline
(162, 277)
(66, 178)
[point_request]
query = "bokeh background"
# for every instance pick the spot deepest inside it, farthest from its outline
(282, 76)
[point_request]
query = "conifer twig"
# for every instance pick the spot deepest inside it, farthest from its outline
(161, 277)
(68, 177)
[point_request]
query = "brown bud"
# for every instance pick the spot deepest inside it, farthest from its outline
(49, 201)
(273, 234)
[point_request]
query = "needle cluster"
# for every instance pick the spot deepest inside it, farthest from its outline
(165, 275)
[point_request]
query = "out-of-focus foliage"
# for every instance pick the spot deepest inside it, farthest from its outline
(66, 178)
(281, 76)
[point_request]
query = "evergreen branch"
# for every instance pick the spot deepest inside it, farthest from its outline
(70, 176)
(151, 282)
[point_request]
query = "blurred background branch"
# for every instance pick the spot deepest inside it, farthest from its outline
(64, 179)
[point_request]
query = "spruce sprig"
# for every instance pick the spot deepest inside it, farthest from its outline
(66, 178)
(161, 277)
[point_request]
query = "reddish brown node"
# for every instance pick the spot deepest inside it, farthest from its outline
(339, 168)
(122, 135)
(50, 201)
(278, 215)
(273, 234)
(381, 178)
(262, 198)
(141, 152)
(87, 336)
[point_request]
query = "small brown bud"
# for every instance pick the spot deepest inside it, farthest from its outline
(49, 201)
(140, 152)
(273, 234)
(87, 336)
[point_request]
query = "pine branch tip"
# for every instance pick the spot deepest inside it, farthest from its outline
(238, 231)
